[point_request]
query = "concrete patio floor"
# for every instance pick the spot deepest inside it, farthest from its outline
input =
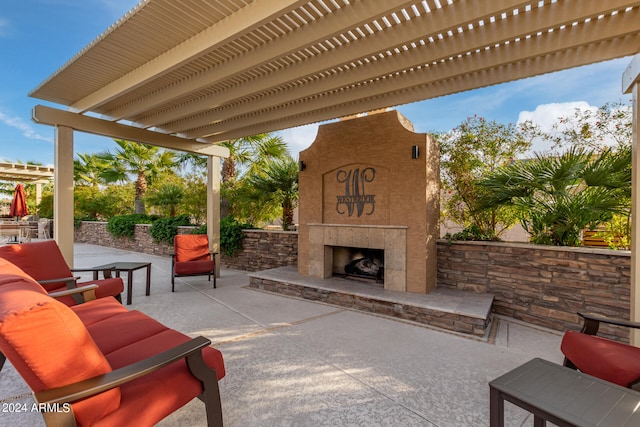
(294, 362)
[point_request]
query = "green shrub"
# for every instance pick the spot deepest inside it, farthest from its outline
(124, 225)
(472, 232)
(231, 235)
(200, 230)
(165, 229)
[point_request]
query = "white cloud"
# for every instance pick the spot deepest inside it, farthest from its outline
(4, 27)
(299, 138)
(546, 115)
(25, 128)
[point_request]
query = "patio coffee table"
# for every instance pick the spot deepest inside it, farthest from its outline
(563, 396)
(129, 267)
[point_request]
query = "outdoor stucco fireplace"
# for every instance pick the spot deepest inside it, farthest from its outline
(370, 185)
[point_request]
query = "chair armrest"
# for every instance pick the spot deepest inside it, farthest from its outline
(70, 281)
(592, 323)
(191, 350)
(88, 291)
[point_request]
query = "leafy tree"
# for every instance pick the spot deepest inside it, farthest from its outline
(555, 198)
(278, 181)
(468, 153)
(100, 204)
(194, 200)
(608, 126)
(144, 162)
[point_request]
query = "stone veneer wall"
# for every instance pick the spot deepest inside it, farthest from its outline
(265, 249)
(96, 233)
(262, 249)
(543, 285)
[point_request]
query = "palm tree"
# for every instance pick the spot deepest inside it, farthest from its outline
(145, 162)
(194, 161)
(251, 152)
(555, 198)
(279, 180)
(167, 198)
(87, 169)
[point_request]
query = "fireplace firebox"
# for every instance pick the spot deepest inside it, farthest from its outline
(361, 264)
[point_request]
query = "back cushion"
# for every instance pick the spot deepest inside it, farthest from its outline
(191, 247)
(41, 260)
(49, 346)
(10, 272)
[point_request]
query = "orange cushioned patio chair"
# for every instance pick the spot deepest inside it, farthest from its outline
(192, 257)
(99, 364)
(44, 262)
(600, 357)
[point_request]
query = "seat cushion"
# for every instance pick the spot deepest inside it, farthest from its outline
(120, 331)
(606, 359)
(99, 309)
(194, 267)
(50, 347)
(155, 396)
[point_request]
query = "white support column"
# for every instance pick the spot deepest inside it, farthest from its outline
(213, 207)
(630, 84)
(63, 192)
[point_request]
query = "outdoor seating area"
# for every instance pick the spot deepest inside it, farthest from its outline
(290, 361)
(54, 275)
(98, 363)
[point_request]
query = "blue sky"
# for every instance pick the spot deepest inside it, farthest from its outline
(39, 36)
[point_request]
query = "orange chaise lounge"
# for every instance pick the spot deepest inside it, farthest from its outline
(100, 364)
(44, 262)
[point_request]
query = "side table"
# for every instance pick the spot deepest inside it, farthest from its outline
(563, 396)
(129, 267)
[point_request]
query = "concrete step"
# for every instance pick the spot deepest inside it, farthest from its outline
(459, 311)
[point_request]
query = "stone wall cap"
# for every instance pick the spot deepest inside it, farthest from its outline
(580, 249)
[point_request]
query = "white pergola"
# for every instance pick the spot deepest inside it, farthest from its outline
(190, 74)
(22, 172)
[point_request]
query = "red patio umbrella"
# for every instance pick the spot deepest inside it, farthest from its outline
(19, 202)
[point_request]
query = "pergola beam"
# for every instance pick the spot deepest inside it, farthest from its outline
(54, 117)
